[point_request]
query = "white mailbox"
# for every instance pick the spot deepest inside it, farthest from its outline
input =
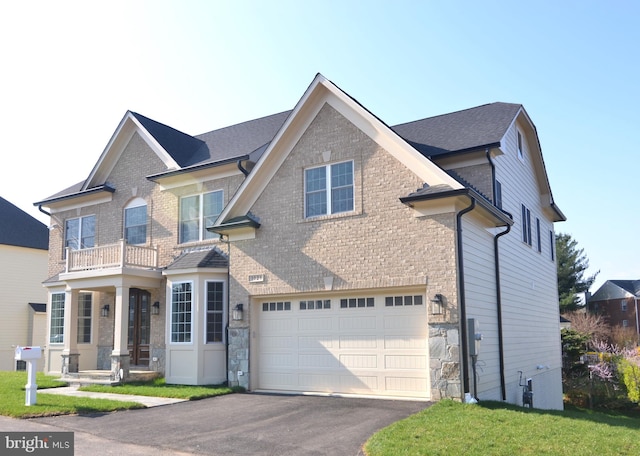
(27, 353)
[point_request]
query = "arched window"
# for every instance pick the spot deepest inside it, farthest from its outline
(135, 221)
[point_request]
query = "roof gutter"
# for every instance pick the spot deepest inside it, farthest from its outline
(463, 310)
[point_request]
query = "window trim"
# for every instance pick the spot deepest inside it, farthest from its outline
(208, 312)
(526, 225)
(328, 189)
(538, 235)
(189, 312)
(623, 305)
(203, 234)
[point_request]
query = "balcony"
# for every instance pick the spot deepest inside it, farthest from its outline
(120, 255)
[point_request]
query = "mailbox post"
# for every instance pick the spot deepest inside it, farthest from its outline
(29, 355)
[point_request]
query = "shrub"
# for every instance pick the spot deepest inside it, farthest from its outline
(631, 376)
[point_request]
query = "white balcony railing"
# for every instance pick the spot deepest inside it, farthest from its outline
(118, 255)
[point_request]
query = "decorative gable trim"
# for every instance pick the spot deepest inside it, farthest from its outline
(127, 127)
(321, 92)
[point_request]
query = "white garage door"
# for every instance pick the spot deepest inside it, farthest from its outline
(374, 345)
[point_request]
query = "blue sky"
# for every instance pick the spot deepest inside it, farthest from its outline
(70, 71)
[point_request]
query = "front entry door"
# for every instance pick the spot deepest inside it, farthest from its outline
(139, 326)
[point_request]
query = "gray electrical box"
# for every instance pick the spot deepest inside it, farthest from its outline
(474, 336)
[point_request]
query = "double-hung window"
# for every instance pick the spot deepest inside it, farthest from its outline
(80, 233)
(197, 212)
(135, 222)
(181, 304)
(329, 189)
(56, 325)
(215, 311)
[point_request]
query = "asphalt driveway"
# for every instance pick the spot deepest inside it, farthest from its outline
(237, 424)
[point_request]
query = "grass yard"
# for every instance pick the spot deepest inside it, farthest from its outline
(159, 388)
(12, 398)
(489, 428)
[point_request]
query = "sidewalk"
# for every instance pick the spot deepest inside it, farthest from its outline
(147, 401)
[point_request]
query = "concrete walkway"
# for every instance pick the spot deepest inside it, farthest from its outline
(147, 401)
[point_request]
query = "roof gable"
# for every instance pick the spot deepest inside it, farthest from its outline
(19, 229)
(321, 92)
(617, 289)
(155, 134)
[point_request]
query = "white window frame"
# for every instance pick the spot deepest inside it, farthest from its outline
(79, 235)
(328, 190)
(135, 204)
(83, 318)
(222, 312)
(520, 144)
(56, 314)
(623, 305)
(173, 313)
(199, 218)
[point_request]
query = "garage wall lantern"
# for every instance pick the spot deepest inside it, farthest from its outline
(155, 308)
(237, 312)
(105, 310)
(437, 304)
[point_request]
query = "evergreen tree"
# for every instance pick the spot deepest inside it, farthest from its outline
(572, 264)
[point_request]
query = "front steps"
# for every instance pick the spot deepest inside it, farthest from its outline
(103, 377)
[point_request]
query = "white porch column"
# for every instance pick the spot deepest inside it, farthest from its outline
(120, 354)
(70, 355)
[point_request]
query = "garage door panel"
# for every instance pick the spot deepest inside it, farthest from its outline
(359, 383)
(277, 342)
(362, 341)
(405, 342)
(359, 361)
(315, 324)
(405, 362)
(406, 384)
(317, 360)
(357, 322)
(315, 342)
(279, 360)
(403, 322)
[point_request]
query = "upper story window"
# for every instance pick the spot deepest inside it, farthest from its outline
(552, 243)
(329, 189)
(538, 235)
(526, 225)
(197, 212)
(135, 222)
(623, 305)
(520, 146)
(498, 196)
(80, 233)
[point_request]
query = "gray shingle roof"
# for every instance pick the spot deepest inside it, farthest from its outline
(205, 258)
(19, 229)
(462, 130)
(632, 286)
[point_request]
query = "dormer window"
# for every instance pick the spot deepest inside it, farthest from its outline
(135, 222)
(520, 146)
(197, 212)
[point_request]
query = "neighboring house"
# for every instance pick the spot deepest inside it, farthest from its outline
(23, 266)
(315, 250)
(617, 301)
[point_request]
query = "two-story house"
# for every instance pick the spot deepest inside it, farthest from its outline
(316, 250)
(617, 302)
(23, 264)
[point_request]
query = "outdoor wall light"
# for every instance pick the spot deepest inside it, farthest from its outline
(237, 312)
(105, 310)
(437, 303)
(155, 308)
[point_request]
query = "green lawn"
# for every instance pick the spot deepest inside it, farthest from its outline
(12, 399)
(159, 388)
(12, 396)
(451, 428)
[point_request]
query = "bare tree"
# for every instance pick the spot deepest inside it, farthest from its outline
(595, 326)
